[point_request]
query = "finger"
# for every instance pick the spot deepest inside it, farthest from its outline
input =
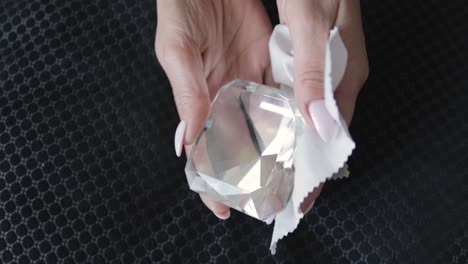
(220, 210)
(308, 202)
(309, 28)
(350, 25)
(181, 60)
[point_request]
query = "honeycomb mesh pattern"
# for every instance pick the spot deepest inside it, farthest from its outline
(88, 171)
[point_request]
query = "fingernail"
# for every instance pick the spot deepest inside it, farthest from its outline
(323, 121)
(223, 216)
(179, 137)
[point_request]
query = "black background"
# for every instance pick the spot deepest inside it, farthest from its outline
(89, 174)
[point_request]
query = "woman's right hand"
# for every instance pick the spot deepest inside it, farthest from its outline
(202, 45)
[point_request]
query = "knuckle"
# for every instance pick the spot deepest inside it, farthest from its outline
(157, 41)
(161, 48)
(164, 53)
(171, 51)
(158, 49)
(311, 78)
(348, 93)
(183, 99)
(362, 71)
(359, 73)
(363, 67)
(187, 99)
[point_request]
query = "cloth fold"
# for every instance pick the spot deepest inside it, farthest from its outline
(314, 160)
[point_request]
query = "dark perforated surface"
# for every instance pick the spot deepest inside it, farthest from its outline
(88, 172)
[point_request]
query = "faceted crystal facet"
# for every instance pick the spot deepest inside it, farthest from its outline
(243, 156)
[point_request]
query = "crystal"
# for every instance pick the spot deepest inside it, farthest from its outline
(243, 157)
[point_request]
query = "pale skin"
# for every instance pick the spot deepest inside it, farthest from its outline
(202, 44)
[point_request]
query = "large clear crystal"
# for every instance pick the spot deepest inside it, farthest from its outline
(243, 157)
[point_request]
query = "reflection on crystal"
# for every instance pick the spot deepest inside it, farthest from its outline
(243, 156)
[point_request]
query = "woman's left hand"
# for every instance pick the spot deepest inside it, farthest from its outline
(309, 23)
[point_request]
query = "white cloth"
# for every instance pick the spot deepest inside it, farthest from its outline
(315, 161)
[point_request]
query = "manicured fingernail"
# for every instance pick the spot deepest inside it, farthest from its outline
(224, 215)
(179, 137)
(323, 121)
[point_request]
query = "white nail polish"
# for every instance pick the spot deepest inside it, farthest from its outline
(224, 216)
(323, 121)
(179, 137)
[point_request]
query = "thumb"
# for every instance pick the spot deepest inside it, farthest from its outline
(184, 68)
(309, 34)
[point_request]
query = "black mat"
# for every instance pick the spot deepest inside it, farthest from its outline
(88, 171)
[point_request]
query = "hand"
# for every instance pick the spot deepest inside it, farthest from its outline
(309, 24)
(202, 45)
